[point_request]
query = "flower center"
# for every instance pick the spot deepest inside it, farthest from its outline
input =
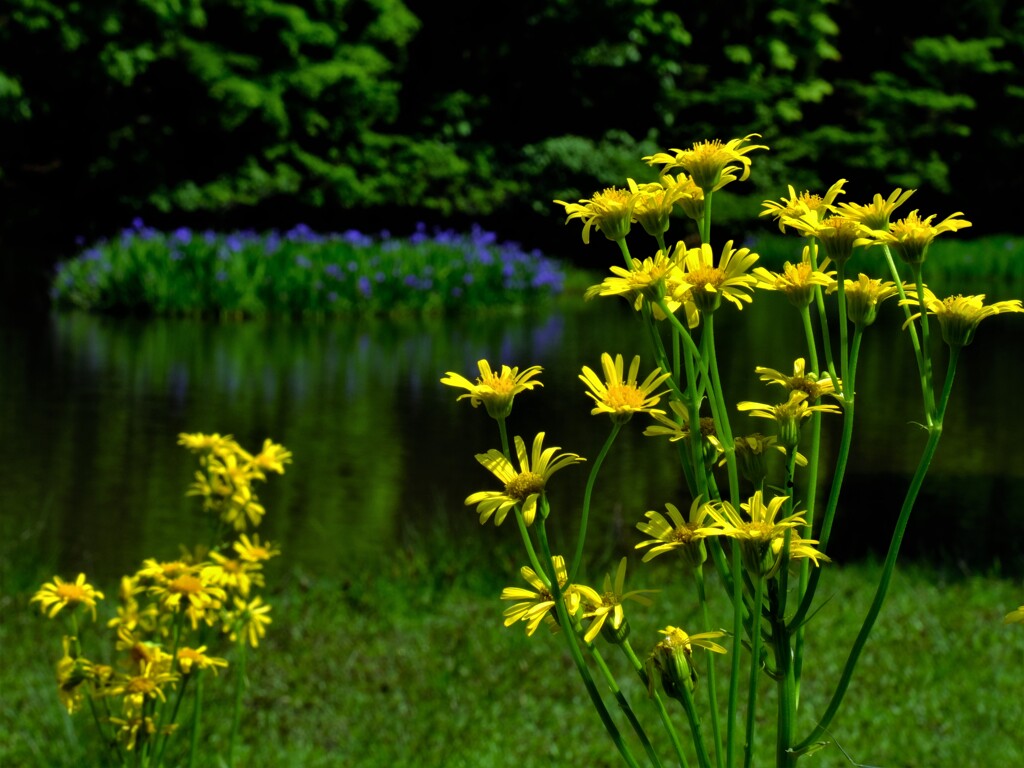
(624, 397)
(702, 277)
(685, 533)
(798, 274)
(141, 685)
(500, 384)
(71, 593)
(186, 585)
(523, 485)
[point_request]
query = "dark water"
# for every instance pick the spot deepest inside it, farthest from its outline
(92, 478)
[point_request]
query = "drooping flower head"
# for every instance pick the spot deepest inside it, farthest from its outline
(797, 281)
(190, 659)
(653, 206)
(802, 380)
(863, 297)
(910, 237)
(751, 456)
(495, 390)
(705, 283)
(610, 211)
(686, 194)
(644, 280)
(711, 164)
(959, 316)
(685, 535)
(524, 487)
(537, 604)
(788, 415)
(59, 594)
(877, 214)
(606, 608)
(620, 396)
(806, 203)
(838, 235)
(762, 536)
(672, 659)
(678, 427)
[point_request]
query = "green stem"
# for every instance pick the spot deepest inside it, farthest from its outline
(755, 669)
(705, 230)
(786, 680)
(625, 707)
(504, 439)
(686, 699)
(524, 532)
(716, 728)
(666, 720)
(919, 355)
(577, 656)
(934, 434)
(826, 336)
(926, 355)
(196, 719)
(737, 646)
(585, 514)
(722, 425)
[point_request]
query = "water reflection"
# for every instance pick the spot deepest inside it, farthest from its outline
(383, 454)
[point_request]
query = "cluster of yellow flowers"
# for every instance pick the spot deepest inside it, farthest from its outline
(168, 611)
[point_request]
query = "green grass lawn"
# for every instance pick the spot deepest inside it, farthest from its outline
(414, 667)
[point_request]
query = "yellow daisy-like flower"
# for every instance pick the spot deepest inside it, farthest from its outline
(838, 235)
(163, 572)
(538, 604)
(606, 608)
(877, 214)
(610, 211)
(802, 380)
(1015, 617)
(72, 673)
(645, 280)
(797, 281)
(678, 533)
(524, 487)
(196, 658)
(618, 396)
(59, 594)
(711, 164)
(672, 658)
(192, 594)
(706, 284)
(863, 297)
(272, 457)
(959, 316)
(910, 237)
(788, 415)
(680, 427)
(495, 390)
(135, 689)
(130, 728)
(805, 203)
(653, 205)
(248, 620)
(199, 442)
(230, 573)
(762, 536)
(686, 194)
(253, 551)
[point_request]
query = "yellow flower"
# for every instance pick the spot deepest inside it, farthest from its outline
(58, 594)
(805, 203)
(608, 604)
(645, 280)
(621, 397)
(609, 211)
(679, 429)
(761, 536)
(959, 316)
(801, 380)
(686, 194)
(495, 390)
(837, 234)
(672, 658)
(653, 205)
(910, 237)
(524, 487)
(751, 455)
(196, 658)
(1015, 617)
(248, 620)
(72, 673)
(863, 298)
(711, 164)
(678, 533)
(788, 415)
(797, 281)
(198, 442)
(253, 551)
(272, 457)
(706, 284)
(876, 215)
(135, 689)
(537, 605)
(230, 573)
(192, 594)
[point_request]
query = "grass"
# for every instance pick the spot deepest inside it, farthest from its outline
(301, 272)
(412, 666)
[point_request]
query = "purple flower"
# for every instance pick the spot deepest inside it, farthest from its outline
(356, 237)
(303, 262)
(234, 243)
(222, 276)
(182, 234)
(333, 270)
(364, 286)
(137, 223)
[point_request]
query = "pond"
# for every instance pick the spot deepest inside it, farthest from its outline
(94, 479)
